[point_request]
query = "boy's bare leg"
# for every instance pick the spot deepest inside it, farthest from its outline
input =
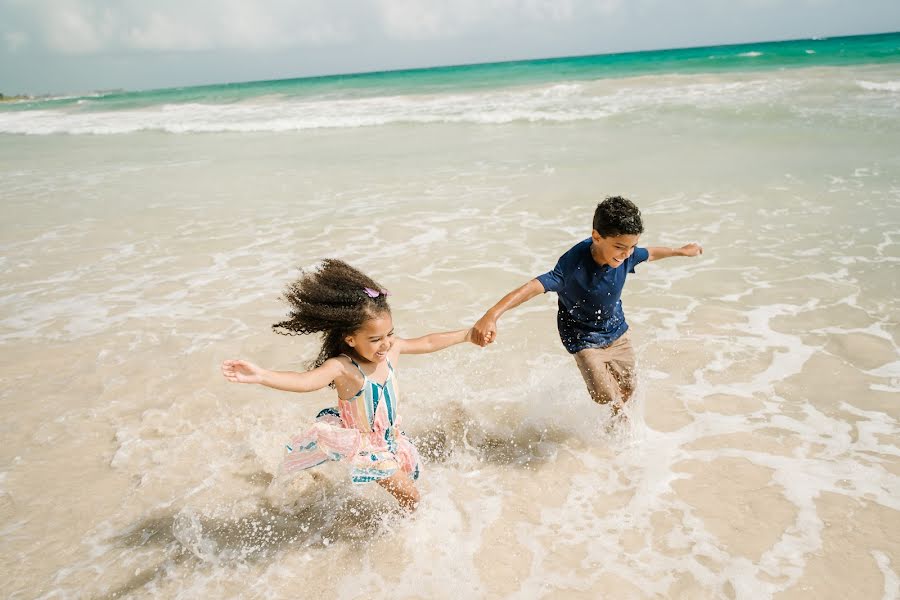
(402, 488)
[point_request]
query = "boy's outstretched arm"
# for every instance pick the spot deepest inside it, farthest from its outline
(658, 252)
(242, 371)
(485, 330)
(433, 341)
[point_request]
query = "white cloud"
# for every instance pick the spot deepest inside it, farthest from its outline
(549, 10)
(15, 40)
(160, 32)
(432, 19)
(417, 20)
(108, 27)
(93, 26)
(607, 7)
(97, 26)
(72, 27)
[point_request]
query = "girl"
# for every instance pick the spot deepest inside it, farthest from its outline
(357, 358)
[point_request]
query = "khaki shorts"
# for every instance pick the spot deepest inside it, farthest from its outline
(609, 372)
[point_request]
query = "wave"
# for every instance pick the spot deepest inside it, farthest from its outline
(557, 103)
(561, 102)
(883, 86)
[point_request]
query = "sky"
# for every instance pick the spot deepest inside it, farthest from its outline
(76, 46)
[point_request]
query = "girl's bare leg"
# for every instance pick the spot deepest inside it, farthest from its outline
(403, 489)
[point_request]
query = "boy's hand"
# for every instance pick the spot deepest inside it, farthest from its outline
(485, 331)
(692, 249)
(241, 371)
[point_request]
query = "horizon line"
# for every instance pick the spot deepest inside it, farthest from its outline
(448, 66)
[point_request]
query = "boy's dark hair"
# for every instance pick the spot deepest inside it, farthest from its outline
(335, 300)
(618, 216)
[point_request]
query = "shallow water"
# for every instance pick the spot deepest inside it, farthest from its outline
(760, 459)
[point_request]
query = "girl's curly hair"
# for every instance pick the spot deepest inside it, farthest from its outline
(333, 299)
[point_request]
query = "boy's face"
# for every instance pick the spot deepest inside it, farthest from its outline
(612, 250)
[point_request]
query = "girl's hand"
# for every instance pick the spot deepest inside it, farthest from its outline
(241, 371)
(692, 249)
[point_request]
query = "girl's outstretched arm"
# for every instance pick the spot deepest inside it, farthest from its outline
(242, 371)
(433, 341)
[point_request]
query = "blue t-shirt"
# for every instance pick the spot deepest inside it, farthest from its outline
(590, 297)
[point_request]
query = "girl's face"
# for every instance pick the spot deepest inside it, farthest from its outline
(613, 250)
(374, 339)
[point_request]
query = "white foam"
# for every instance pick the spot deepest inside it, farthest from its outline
(891, 581)
(880, 86)
(557, 103)
(887, 370)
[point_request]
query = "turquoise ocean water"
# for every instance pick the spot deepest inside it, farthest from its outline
(841, 51)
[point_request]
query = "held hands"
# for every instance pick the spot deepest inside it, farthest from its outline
(692, 249)
(484, 332)
(241, 371)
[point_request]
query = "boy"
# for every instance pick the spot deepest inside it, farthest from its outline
(588, 280)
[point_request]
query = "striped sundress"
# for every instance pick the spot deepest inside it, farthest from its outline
(363, 431)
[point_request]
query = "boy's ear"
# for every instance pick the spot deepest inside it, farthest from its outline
(596, 235)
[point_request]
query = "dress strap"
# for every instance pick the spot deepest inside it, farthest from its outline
(363, 373)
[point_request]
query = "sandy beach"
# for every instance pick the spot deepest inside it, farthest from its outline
(761, 456)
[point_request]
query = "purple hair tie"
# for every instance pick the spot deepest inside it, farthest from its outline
(375, 293)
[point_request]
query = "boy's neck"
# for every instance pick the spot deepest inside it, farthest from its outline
(595, 256)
